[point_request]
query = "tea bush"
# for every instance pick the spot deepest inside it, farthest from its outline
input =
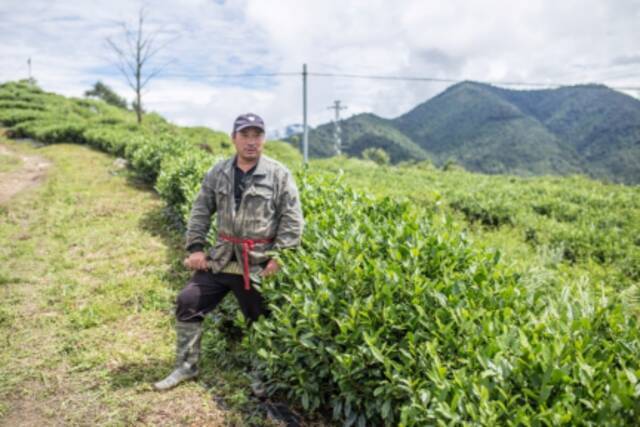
(180, 178)
(384, 318)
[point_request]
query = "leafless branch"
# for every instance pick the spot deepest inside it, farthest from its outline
(133, 55)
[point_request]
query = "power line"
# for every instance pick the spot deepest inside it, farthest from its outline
(377, 77)
(231, 76)
(444, 80)
(428, 79)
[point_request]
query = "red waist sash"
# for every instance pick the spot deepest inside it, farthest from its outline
(247, 245)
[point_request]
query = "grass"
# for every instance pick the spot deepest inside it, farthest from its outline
(9, 163)
(89, 269)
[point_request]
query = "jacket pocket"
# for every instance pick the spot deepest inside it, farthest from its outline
(223, 200)
(259, 206)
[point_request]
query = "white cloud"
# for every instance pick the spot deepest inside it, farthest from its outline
(543, 40)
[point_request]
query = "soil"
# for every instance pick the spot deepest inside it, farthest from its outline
(31, 172)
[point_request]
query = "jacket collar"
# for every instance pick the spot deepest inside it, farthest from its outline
(261, 167)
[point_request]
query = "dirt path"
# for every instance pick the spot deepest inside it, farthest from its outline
(31, 172)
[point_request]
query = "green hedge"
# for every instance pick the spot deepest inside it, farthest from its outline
(385, 318)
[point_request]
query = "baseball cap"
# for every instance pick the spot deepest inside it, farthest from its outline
(248, 120)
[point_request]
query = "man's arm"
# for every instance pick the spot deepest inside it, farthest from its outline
(291, 222)
(203, 208)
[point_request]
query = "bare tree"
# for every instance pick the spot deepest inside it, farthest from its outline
(133, 56)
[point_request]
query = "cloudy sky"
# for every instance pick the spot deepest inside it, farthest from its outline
(548, 41)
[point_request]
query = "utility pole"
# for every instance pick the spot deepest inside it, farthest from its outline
(305, 130)
(336, 133)
(29, 64)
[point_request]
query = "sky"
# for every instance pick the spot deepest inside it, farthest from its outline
(202, 42)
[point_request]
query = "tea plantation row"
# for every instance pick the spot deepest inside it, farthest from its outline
(585, 221)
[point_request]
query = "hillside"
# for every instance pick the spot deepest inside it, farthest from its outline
(602, 125)
(590, 129)
(486, 133)
(50, 118)
(363, 131)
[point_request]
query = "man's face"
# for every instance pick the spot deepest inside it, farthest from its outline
(249, 143)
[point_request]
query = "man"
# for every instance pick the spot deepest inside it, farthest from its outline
(258, 211)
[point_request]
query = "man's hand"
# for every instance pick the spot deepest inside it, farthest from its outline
(271, 268)
(196, 261)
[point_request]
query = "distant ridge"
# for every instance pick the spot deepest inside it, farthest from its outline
(588, 129)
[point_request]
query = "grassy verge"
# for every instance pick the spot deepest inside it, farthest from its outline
(9, 163)
(89, 269)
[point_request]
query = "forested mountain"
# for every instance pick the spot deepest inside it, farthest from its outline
(363, 131)
(587, 129)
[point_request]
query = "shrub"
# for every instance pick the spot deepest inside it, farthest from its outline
(382, 318)
(377, 155)
(485, 210)
(180, 179)
(147, 152)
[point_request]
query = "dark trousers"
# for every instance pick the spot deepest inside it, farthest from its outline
(205, 290)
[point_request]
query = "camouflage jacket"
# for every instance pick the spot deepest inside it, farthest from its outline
(270, 208)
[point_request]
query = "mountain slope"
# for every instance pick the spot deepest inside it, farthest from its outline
(363, 131)
(486, 133)
(602, 125)
(588, 129)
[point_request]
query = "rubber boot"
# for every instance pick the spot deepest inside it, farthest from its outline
(188, 335)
